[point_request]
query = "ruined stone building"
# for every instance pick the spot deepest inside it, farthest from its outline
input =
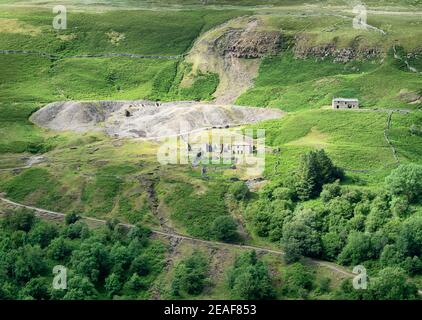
(345, 103)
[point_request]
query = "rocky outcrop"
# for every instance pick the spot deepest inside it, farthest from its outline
(302, 49)
(248, 44)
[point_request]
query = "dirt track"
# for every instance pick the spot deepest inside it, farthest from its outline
(59, 216)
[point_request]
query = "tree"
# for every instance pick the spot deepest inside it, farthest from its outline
(276, 224)
(340, 207)
(77, 230)
(112, 284)
(120, 259)
(391, 284)
(390, 256)
(331, 191)
(260, 213)
(225, 229)
(91, 259)
(332, 244)
(140, 265)
(190, 275)
(136, 283)
(357, 250)
(283, 193)
(409, 241)
(71, 218)
(36, 289)
(28, 262)
(239, 190)
(298, 281)
(140, 234)
(249, 278)
(406, 181)
(315, 170)
(79, 288)
(42, 233)
(301, 237)
(59, 249)
(21, 219)
(400, 207)
(379, 214)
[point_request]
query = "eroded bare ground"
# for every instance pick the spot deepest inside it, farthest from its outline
(233, 50)
(146, 119)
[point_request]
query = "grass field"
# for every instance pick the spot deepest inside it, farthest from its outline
(164, 33)
(292, 84)
(354, 140)
(102, 177)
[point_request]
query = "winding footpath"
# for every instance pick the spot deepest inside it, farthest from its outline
(59, 216)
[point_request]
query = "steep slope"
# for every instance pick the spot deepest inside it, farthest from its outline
(233, 51)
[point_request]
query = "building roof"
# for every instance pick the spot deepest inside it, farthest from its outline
(345, 99)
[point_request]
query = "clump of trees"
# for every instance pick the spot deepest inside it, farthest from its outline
(406, 181)
(299, 281)
(107, 261)
(249, 278)
(348, 225)
(224, 228)
(390, 283)
(191, 275)
(315, 169)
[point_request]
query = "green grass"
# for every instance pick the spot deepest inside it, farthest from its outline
(166, 84)
(409, 146)
(17, 134)
(212, 3)
(202, 88)
(101, 194)
(34, 181)
(145, 32)
(354, 140)
(192, 211)
(25, 79)
(293, 84)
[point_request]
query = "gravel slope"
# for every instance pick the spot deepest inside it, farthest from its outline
(145, 119)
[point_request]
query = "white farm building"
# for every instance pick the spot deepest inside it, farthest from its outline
(345, 103)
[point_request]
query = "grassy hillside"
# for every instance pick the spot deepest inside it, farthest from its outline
(99, 176)
(295, 84)
(141, 32)
(354, 140)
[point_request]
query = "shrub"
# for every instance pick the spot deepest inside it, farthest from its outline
(301, 238)
(298, 281)
(330, 191)
(283, 193)
(239, 190)
(225, 229)
(357, 250)
(391, 284)
(406, 181)
(249, 278)
(190, 275)
(21, 219)
(71, 218)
